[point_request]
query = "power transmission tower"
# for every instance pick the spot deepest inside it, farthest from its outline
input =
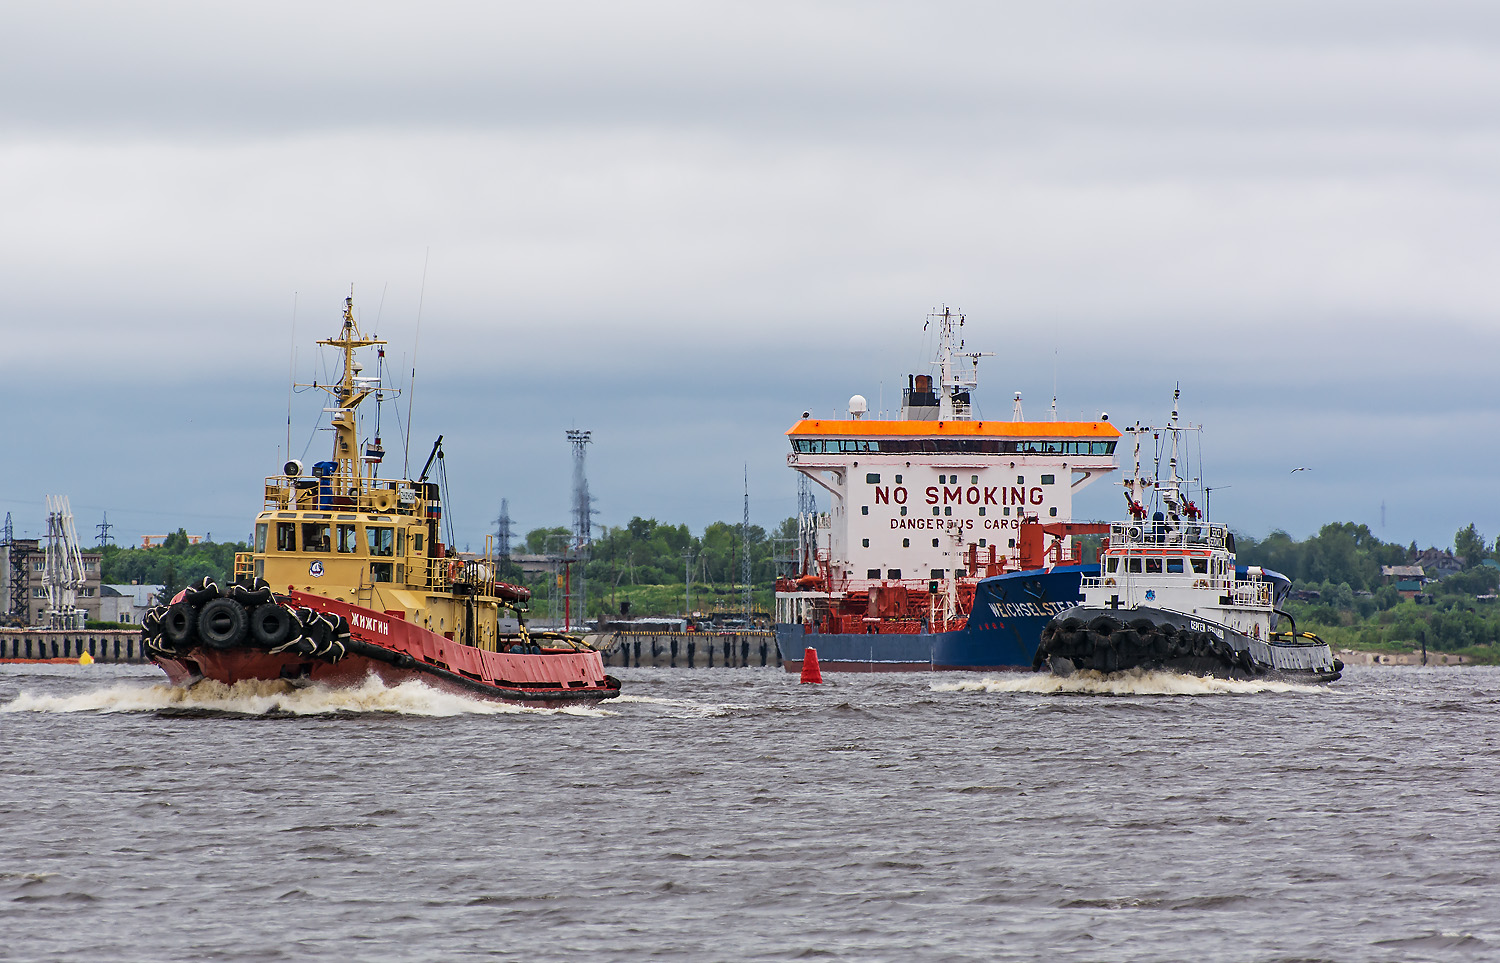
(104, 536)
(504, 529)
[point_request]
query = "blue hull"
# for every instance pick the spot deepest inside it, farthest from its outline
(1003, 631)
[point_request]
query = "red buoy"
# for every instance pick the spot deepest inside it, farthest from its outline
(810, 670)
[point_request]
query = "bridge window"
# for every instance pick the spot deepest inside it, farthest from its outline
(286, 536)
(1153, 566)
(380, 571)
(1112, 565)
(260, 537)
(1174, 566)
(1200, 566)
(348, 539)
(1133, 565)
(315, 537)
(382, 542)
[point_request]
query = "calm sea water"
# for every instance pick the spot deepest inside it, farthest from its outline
(735, 815)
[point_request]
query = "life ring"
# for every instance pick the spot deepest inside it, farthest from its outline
(1202, 583)
(1109, 582)
(384, 500)
(454, 568)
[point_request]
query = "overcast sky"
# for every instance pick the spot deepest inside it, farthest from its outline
(681, 224)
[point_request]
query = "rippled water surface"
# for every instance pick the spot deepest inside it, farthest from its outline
(735, 815)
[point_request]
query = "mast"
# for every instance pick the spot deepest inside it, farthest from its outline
(954, 377)
(352, 389)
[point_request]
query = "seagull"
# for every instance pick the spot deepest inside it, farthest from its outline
(1295, 470)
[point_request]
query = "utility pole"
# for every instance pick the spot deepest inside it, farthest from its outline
(687, 581)
(583, 516)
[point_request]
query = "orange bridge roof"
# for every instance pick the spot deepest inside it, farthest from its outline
(848, 428)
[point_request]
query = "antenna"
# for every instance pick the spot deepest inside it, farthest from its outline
(291, 376)
(411, 394)
(745, 538)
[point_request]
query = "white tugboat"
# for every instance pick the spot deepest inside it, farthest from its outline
(1170, 596)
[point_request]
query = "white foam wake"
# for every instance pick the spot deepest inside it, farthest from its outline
(255, 697)
(1131, 682)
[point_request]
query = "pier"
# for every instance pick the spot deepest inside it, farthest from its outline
(754, 648)
(106, 645)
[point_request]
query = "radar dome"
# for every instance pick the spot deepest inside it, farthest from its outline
(858, 406)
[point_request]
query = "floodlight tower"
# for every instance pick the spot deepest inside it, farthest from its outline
(583, 518)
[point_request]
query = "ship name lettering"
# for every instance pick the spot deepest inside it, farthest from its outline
(368, 624)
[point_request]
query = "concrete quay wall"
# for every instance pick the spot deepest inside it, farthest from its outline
(106, 645)
(688, 650)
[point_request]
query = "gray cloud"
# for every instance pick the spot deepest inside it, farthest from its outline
(680, 224)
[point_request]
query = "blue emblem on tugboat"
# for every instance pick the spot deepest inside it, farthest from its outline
(316, 568)
(1150, 593)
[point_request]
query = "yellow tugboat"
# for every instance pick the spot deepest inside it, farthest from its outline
(349, 577)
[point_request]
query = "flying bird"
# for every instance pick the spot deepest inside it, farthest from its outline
(1295, 470)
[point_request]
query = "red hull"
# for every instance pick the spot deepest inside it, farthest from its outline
(397, 651)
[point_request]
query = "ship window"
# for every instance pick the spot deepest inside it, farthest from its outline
(936, 510)
(942, 479)
(1005, 510)
(1020, 479)
(903, 509)
(1012, 543)
(1112, 565)
(981, 509)
(260, 568)
(286, 537)
(1052, 510)
(865, 542)
(864, 509)
(381, 543)
(348, 540)
(947, 509)
(1174, 566)
(401, 542)
(416, 542)
(893, 573)
(973, 479)
(937, 573)
(1153, 566)
(873, 478)
(934, 543)
(872, 573)
(1049, 479)
(898, 479)
(1200, 566)
(906, 543)
(260, 537)
(315, 537)
(400, 573)
(380, 571)
(1133, 565)
(981, 543)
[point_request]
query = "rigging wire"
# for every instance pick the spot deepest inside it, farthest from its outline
(416, 343)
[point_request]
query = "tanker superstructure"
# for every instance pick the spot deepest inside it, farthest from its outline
(948, 540)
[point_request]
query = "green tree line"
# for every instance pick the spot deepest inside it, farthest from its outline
(1355, 606)
(175, 563)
